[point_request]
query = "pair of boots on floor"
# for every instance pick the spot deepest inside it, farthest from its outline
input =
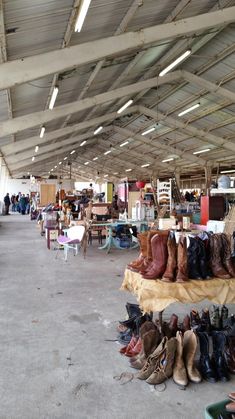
(160, 358)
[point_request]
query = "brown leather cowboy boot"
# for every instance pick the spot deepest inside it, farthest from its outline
(182, 261)
(159, 251)
(169, 274)
(137, 264)
(216, 262)
(227, 259)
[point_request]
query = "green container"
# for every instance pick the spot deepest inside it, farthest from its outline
(213, 411)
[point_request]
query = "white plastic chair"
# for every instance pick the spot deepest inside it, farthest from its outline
(73, 239)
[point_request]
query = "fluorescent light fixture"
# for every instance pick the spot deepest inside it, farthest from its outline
(228, 171)
(65, 158)
(95, 158)
(86, 163)
(128, 170)
(42, 132)
(125, 143)
(53, 97)
(189, 109)
(72, 152)
(81, 15)
(83, 143)
(60, 162)
(105, 175)
(33, 158)
(166, 160)
(52, 170)
(98, 130)
(148, 131)
(125, 106)
(107, 152)
(28, 173)
(55, 167)
(145, 165)
(115, 173)
(175, 63)
(36, 149)
(201, 151)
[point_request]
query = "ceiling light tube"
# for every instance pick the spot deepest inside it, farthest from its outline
(107, 152)
(175, 63)
(42, 132)
(189, 109)
(125, 143)
(95, 158)
(145, 165)
(125, 106)
(105, 175)
(82, 15)
(36, 149)
(228, 171)
(166, 160)
(128, 170)
(72, 152)
(53, 97)
(86, 163)
(55, 167)
(115, 173)
(83, 143)
(60, 162)
(65, 158)
(33, 158)
(98, 130)
(148, 131)
(201, 151)
(52, 170)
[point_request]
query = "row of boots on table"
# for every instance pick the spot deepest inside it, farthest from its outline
(203, 256)
(168, 350)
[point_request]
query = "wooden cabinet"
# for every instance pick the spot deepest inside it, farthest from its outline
(47, 194)
(212, 208)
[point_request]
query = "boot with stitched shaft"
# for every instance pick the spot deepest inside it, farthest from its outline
(189, 352)
(169, 274)
(182, 260)
(149, 260)
(226, 256)
(159, 251)
(179, 370)
(164, 364)
(218, 359)
(206, 367)
(150, 341)
(215, 257)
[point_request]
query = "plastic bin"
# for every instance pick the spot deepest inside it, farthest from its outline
(213, 411)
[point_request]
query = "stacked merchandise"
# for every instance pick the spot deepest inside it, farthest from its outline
(168, 350)
(194, 257)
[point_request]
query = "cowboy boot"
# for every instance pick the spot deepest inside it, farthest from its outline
(193, 259)
(164, 365)
(229, 353)
(182, 274)
(130, 345)
(133, 309)
(189, 352)
(133, 351)
(186, 325)
(215, 261)
(205, 321)
(179, 370)
(169, 274)
(149, 261)
(143, 252)
(219, 342)
(150, 341)
(227, 258)
(205, 365)
(159, 251)
(195, 319)
(215, 318)
(223, 316)
(203, 259)
(150, 364)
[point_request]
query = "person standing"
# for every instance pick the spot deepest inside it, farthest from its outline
(7, 203)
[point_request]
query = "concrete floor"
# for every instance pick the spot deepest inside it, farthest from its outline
(56, 319)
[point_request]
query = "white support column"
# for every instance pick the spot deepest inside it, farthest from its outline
(32, 68)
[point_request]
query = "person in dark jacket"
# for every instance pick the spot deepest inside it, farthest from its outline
(7, 203)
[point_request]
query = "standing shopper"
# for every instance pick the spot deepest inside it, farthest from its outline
(7, 203)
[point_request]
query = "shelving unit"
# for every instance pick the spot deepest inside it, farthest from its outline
(164, 194)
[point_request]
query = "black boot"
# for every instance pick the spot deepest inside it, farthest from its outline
(205, 365)
(215, 318)
(133, 309)
(193, 259)
(223, 316)
(195, 319)
(203, 260)
(205, 321)
(218, 360)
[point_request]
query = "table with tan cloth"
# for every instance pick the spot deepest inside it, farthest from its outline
(156, 295)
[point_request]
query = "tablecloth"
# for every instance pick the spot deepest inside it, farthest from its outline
(156, 295)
